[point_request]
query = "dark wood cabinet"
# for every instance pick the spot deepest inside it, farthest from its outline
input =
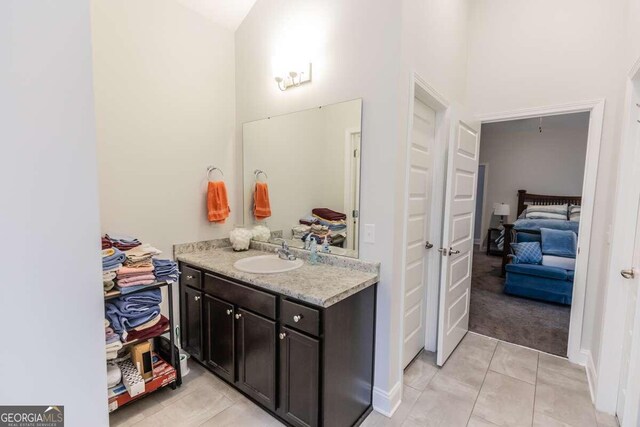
(219, 341)
(306, 365)
(191, 321)
(299, 378)
(256, 347)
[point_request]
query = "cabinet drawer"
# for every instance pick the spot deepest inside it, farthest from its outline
(251, 299)
(191, 277)
(300, 317)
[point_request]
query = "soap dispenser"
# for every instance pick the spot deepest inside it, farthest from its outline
(325, 245)
(313, 247)
(307, 242)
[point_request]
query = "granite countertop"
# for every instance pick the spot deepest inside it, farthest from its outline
(319, 284)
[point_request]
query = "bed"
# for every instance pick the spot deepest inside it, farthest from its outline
(529, 229)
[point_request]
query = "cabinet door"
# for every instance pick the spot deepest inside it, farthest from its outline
(299, 376)
(218, 337)
(191, 321)
(256, 350)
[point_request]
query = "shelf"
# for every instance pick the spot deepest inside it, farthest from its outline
(116, 293)
(166, 331)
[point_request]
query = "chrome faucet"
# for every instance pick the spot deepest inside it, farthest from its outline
(284, 252)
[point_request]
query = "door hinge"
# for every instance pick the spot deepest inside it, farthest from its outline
(355, 213)
(355, 153)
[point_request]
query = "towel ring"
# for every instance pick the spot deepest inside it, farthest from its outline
(257, 174)
(211, 169)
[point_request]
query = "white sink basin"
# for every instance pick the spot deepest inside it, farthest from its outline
(266, 264)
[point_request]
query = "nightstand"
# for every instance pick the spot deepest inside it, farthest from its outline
(492, 247)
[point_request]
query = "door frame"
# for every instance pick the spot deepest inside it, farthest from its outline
(348, 184)
(485, 187)
(420, 89)
(596, 117)
(606, 379)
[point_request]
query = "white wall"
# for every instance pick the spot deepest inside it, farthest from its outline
(530, 54)
(520, 157)
(165, 110)
(352, 46)
(51, 307)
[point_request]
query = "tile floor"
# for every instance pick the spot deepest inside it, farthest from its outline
(485, 383)
(488, 383)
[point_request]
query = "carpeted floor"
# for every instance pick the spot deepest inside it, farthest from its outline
(535, 324)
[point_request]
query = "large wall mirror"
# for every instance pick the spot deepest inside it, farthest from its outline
(310, 163)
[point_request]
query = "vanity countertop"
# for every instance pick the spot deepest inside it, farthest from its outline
(320, 284)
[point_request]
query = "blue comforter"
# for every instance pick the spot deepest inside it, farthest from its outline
(537, 224)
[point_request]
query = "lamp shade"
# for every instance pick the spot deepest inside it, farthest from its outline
(501, 209)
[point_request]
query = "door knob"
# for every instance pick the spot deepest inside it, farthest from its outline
(443, 251)
(197, 298)
(282, 335)
(628, 274)
(229, 311)
(297, 318)
(452, 252)
(239, 315)
(189, 277)
(428, 245)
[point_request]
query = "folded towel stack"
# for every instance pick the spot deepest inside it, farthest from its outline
(106, 243)
(308, 220)
(107, 280)
(141, 255)
(300, 231)
(112, 259)
(129, 311)
(166, 270)
(112, 341)
(159, 326)
(124, 243)
(335, 221)
(135, 276)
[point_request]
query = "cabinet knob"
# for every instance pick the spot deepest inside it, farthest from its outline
(197, 298)
(297, 318)
(238, 316)
(189, 277)
(282, 335)
(229, 312)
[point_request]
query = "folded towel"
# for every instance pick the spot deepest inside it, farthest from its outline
(148, 324)
(153, 296)
(328, 214)
(106, 323)
(114, 346)
(135, 270)
(128, 280)
(121, 321)
(261, 204)
(108, 275)
(123, 243)
(108, 332)
(106, 243)
(166, 270)
(133, 288)
(217, 202)
(141, 253)
(112, 339)
(137, 282)
(160, 326)
(108, 285)
(111, 258)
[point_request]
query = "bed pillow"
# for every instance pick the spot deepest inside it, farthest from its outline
(547, 211)
(527, 252)
(559, 242)
(559, 261)
(574, 213)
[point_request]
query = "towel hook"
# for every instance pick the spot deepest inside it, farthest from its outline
(211, 169)
(258, 172)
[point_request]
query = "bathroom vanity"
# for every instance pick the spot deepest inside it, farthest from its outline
(299, 343)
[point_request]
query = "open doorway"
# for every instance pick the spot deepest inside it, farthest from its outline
(525, 254)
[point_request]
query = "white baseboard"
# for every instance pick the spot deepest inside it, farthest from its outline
(592, 374)
(386, 403)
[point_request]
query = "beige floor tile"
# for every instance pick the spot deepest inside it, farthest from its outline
(445, 402)
(470, 361)
(135, 411)
(542, 420)
(505, 401)
(564, 398)
(409, 397)
(242, 414)
(479, 422)
(191, 410)
(421, 371)
(606, 420)
(515, 361)
(549, 365)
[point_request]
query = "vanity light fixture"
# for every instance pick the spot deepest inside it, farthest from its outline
(293, 78)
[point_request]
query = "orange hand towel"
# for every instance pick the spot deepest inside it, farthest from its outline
(217, 202)
(261, 205)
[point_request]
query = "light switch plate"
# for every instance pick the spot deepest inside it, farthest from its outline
(369, 233)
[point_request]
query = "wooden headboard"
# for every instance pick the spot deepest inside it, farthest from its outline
(525, 199)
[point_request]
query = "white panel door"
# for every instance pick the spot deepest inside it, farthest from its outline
(417, 222)
(457, 250)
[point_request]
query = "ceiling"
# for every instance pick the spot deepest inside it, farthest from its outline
(228, 13)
